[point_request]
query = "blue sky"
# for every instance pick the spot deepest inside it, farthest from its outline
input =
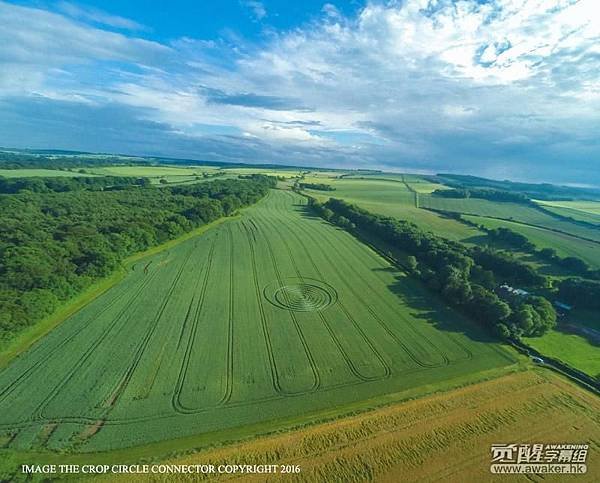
(500, 88)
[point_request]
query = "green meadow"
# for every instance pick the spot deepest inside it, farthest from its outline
(564, 244)
(392, 197)
(586, 211)
(519, 213)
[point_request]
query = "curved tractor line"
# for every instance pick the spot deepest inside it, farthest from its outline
(314, 370)
(38, 412)
(469, 354)
(394, 309)
(176, 397)
(336, 341)
(7, 390)
(116, 394)
(373, 314)
(417, 333)
(229, 373)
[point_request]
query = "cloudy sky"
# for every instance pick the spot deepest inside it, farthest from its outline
(502, 88)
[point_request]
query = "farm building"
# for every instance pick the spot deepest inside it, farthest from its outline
(506, 289)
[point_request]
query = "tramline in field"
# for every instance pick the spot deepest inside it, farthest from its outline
(271, 315)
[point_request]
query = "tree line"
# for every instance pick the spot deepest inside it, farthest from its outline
(465, 277)
(482, 193)
(574, 265)
(62, 184)
(62, 160)
(316, 186)
(55, 244)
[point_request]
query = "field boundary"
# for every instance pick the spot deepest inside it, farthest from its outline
(578, 377)
(450, 213)
(569, 219)
(412, 190)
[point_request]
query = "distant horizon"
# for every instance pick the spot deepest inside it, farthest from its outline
(399, 170)
(502, 89)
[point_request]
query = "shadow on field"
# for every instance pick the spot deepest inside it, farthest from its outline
(429, 308)
(588, 333)
(479, 240)
(305, 211)
(423, 305)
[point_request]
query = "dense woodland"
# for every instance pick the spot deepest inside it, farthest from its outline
(68, 160)
(59, 160)
(465, 277)
(62, 184)
(583, 293)
(55, 244)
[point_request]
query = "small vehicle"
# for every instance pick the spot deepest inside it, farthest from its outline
(537, 360)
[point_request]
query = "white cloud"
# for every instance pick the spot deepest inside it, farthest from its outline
(95, 15)
(331, 11)
(257, 8)
(437, 85)
(35, 43)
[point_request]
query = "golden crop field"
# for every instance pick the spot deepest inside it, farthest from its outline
(445, 436)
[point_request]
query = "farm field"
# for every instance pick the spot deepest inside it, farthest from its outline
(420, 184)
(377, 176)
(174, 180)
(587, 211)
(415, 181)
(509, 211)
(313, 320)
(286, 173)
(152, 171)
(171, 174)
(319, 176)
(584, 206)
(578, 215)
(392, 198)
(574, 349)
(565, 245)
(444, 436)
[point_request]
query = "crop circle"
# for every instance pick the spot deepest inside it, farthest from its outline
(301, 294)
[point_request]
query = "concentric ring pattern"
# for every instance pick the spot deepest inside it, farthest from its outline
(301, 295)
